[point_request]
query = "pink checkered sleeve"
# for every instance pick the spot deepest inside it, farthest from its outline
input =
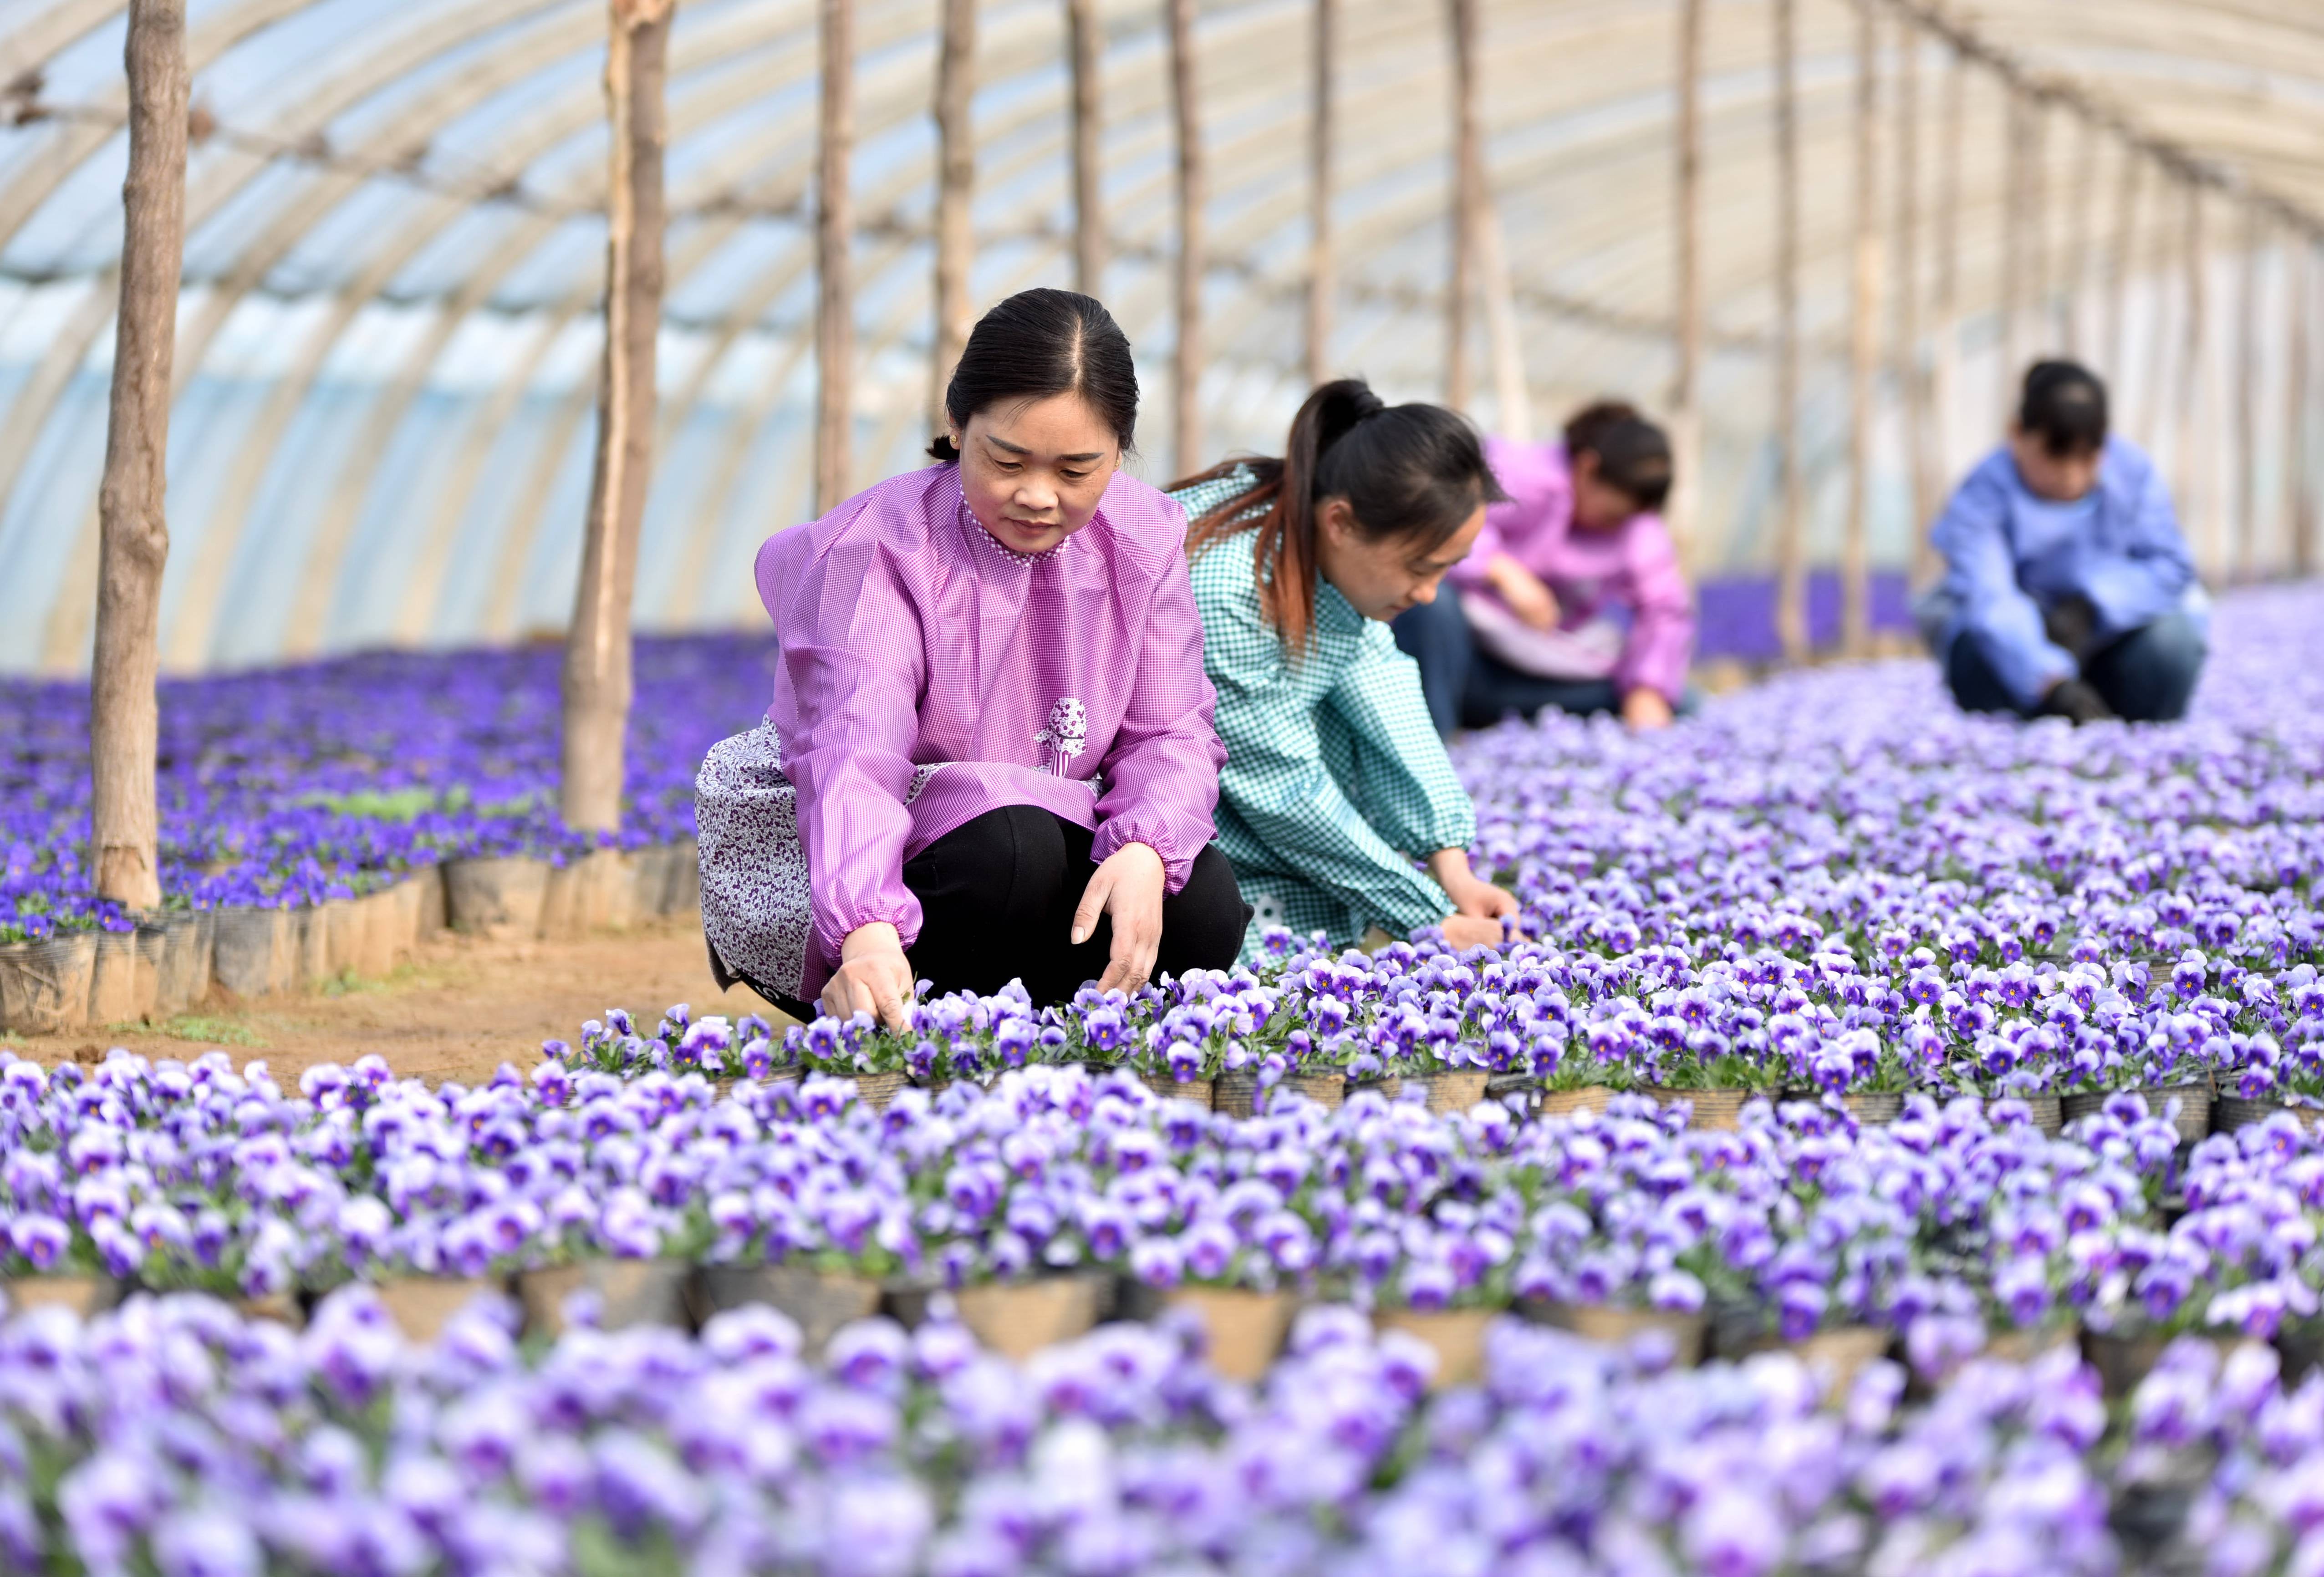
(1162, 774)
(1661, 641)
(852, 654)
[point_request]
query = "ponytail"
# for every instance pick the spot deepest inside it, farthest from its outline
(1412, 472)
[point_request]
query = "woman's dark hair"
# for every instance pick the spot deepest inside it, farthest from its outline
(1038, 344)
(1634, 454)
(1414, 472)
(2064, 405)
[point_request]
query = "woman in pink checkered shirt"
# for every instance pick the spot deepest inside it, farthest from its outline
(990, 755)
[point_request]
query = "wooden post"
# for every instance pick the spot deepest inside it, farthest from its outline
(1686, 274)
(1912, 366)
(1512, 417)
(1944, 307)
(2299, 475)
(2039, 286)
(1086, 50)
(1864, 345)
(2116, 344)
(955, 189)
(2243, 449)
(2012, 293)
(132, 518)
(2194, 510)
(2078, 240)
(597, 644)
(835, 232)
(1791, 547)
(1467, 169)
(1188, 360)
(1321, 281)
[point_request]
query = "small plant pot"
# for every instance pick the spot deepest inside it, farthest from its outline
(1243, 1331)
(2233, 1113)
(2049, 1114)
(45, 985)
(2012, 1346)
(1235, 1093)
(83, 1295)
(2122, 1360)
(112, 983)
(423, 1306)
(1613, 1327)
(879, 1091)
(686, 881)
(629, 1292)
(1873, 1108)
(281, 1307)
(1834, 1356)
(1329, 1090)
(379, 933)
(499, 899)
(651, 871)
(1454, 1089)
(1712, 1109)
(1457, 1337)
(1200, 1091)
(2301, 1348)
(1017, 1319)
(818, 1302)
(152, 941)
(251, 953)
(1572, 1102)
(311, 957)
(431, 913)
(343, 936)
(594, 892)
(183, 976)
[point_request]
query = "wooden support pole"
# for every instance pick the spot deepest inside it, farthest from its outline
(956, 191)
(133, 517)
(2116, 345)
(1944, 307)
(2298, 427)
(2013, 224)
(1791, 521)
(597, 643)
(1086, 49)
(1911, 365)
(2243, 448)
(2194, 504)
(1864, 345)
(1320, 274)
(2040, 285)
(2154, 399)
(2084, 201)
(1513, 408)
(1687, 276)
(835, 234)
(1468, 203)
(1187, 360)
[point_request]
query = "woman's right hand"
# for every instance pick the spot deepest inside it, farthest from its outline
(1528, 597)
(873, 977)
(1471, 931)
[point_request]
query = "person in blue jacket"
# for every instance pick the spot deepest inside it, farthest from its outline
(2069, 591)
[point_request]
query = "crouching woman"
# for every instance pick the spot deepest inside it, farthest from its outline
(991, 753)
(1337, 790)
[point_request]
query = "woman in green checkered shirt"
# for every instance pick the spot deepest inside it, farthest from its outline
(1337, 805)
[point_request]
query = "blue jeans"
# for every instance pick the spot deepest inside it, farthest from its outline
(1468, 686)
(2145, 675)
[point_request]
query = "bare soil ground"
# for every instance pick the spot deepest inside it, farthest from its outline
(458, 1009)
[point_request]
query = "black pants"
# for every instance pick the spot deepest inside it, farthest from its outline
(2145, 675)
(997, 900)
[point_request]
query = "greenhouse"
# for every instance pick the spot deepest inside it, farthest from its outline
(949, 788)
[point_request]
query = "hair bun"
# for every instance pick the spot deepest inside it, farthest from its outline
(1341, 405)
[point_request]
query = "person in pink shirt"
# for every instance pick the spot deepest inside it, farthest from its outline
(990, 754)
(1572, 597)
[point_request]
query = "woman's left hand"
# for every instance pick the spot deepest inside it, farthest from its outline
(1471, 894)
(1127, 889)
(1646, 710)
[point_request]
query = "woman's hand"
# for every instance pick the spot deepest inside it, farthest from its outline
(1478, 906)
(873, 977)
(1528, 597)
(1127, 889)
(1646, 710)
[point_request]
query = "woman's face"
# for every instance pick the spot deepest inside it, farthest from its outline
(1383, 576)
(1034, 469)
(1598, 505)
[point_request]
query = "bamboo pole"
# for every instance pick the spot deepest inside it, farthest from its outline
(1084, 49)
(1944, 307)
(2191, 388)
(2155, 404)
(955, 190)
(1686, 273)
(1187, 359)
(2078, 239)
(132, 516)
(1513, 416)
(2012, 293)
(597, 681)
(1910, 363)
(834, 232)
(2039, 286)
(1320, 268)
(2125, 236)
(2300, 515)
(1467, 169)
(2243, 449)
(1864, 345)
(1791, 555)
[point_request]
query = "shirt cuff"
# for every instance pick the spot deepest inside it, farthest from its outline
(1119, 831)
